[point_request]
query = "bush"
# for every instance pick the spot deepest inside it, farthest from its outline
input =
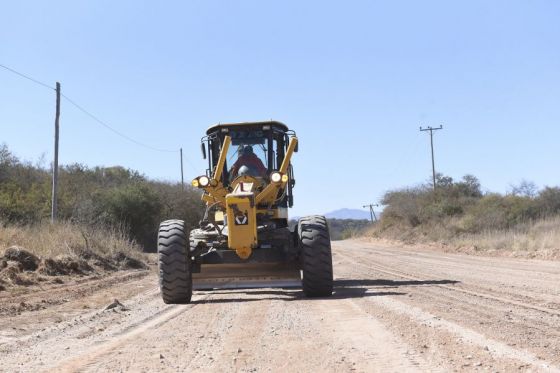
(136, 207)
(547, 203)
(178, 204)
(420, 205)
(403, 206)
(495, 211)
(341, 229)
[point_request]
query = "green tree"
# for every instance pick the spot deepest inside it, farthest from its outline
(135, 206)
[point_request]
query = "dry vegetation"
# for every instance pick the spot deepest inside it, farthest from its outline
(540, 239)
(459, 217)
(108, 216)
(52, 240)
(100, 196)
(46, 253)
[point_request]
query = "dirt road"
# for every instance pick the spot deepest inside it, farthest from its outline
(393, 310)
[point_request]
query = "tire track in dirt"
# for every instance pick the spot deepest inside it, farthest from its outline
(433, 296)
(92, 355)
(372, 345)
(278, 330)
(190, 342)
(518, 278)
(467, 335)
(387, 270)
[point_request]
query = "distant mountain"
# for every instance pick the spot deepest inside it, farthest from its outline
(349, 214)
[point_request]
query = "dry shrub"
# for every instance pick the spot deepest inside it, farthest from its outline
(458, 213)
(112, 196)
(538, 239)
(67, 239)
(29, 252)
(533, 239)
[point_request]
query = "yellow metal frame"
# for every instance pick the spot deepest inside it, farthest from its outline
(241, 204)
(215, 191)
(268, 195)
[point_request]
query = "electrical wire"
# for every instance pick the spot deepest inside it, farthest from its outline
(26, 77)
(124, 136)
(96, 119)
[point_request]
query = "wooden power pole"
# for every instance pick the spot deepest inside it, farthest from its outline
(372, 211)
(54, 205)
(182, 178)
(432, 145)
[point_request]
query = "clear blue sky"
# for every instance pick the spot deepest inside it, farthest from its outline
(355, 79)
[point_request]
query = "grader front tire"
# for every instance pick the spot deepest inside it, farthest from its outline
(316, 256)
(174, 262)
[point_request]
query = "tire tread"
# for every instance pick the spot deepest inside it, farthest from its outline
(174, 263)
(316, 256)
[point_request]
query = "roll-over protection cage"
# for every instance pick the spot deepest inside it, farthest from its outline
(276, 136)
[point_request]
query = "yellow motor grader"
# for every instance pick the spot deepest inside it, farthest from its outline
(244, 240)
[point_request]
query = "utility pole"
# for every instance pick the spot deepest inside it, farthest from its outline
(54, 205)
(372, 211)
(182, 178)
(431, 129)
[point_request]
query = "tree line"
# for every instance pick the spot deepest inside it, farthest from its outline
(101, 196)
(462, 206)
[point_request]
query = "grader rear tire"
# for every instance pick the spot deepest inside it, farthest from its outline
(174, 262)
(315, 246)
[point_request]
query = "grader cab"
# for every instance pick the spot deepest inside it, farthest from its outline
(244, 240)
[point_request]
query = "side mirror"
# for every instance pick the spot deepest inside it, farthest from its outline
(203, 148)
(296, 149)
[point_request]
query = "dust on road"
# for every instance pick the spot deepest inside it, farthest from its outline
(393, 310)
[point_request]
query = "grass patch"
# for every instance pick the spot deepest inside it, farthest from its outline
(540, 239)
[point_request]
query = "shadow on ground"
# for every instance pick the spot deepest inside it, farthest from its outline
(390, 283)
(343, 289)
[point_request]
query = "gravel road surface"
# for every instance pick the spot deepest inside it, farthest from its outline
(393, 310)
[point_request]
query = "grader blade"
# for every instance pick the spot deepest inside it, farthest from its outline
(246, 276)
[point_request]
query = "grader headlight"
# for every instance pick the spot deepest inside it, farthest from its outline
(203, 181)
(276, 177)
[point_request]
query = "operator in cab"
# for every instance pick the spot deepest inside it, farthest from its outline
(248, 164)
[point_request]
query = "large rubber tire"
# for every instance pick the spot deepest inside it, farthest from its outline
(316, 257)
(174, 262)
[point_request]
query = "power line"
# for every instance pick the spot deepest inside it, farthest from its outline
(27, 77)
(96, 119)
(124, 136)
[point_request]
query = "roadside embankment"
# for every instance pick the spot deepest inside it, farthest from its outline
(538, 240)
(459, 216)
(55, 253)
